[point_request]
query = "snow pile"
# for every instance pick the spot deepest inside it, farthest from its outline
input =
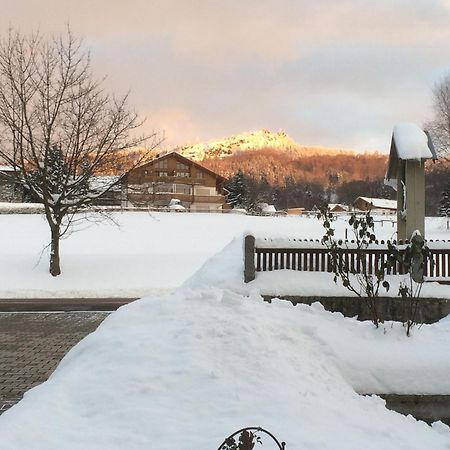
(411, 142)
(267, 209)
(226, 269)
(184, 371)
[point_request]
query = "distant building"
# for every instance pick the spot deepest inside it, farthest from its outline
(295, 211)
(376, 205)
(337, 207)
(172, 176)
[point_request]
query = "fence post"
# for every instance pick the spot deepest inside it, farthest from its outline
(249, 258)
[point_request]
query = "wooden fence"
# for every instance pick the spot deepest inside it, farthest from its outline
(312, 256)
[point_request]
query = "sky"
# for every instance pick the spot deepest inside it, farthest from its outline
(334, 73)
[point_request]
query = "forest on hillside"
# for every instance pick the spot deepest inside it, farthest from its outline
(288, 180)
(323, 168)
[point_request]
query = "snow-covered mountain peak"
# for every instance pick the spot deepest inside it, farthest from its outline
(253, 140)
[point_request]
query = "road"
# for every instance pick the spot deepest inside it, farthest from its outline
(33, 343)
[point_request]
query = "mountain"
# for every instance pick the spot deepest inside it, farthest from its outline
(251, 141)
(275, 157)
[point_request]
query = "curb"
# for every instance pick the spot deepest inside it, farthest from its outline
(63, 304)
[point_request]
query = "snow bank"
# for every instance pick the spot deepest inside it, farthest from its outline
(184, 371)
(226, 270)
(411, 142)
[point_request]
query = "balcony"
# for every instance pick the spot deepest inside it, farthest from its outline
(180, 180)
(191, 199)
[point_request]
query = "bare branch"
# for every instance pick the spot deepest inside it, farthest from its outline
(60, 129)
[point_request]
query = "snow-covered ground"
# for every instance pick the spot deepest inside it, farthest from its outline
(148, 253)
(182, 370)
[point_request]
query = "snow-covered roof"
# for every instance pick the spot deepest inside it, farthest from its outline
(382, 203)
(102, 182)
(332, 206)
(4, 168)
(411, 142)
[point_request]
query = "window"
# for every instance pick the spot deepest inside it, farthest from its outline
(183, 189)
(181, 166)
(199, 174)
(162, 174)
(164, 188)
(162, 164)
(202, 191)
(182, 174)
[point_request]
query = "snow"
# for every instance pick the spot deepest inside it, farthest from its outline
(182, 370)
(185, 370)
(339, 206)
(13, 207)
(102, 183)
(177, 207)
(147, 253)
(268, 209)
(411, 142)
(222, 271)
(381, 203)
(4, 168)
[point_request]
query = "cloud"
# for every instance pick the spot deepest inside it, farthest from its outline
(337, 73)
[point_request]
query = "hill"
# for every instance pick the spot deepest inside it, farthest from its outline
(325, 168)
(251, 141)
(276, 157)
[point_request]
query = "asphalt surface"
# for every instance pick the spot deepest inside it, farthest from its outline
(33, 343)
(62, 304)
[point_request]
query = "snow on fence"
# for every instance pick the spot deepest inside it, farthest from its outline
(261, 255)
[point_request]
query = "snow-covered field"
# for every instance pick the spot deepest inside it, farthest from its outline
(146, 254)
(182, 370)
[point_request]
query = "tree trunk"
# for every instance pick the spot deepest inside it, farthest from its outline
(55, 268)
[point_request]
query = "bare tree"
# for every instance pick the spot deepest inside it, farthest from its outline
(59, 129)
(439, 127)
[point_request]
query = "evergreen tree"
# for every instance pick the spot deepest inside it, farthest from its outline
(237, 190)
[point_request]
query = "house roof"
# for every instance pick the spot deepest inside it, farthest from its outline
(187, 161)
(382, 203)
(331, 206)
(408, 143)
(4, 168)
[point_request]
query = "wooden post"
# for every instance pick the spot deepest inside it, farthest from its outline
(249, 258)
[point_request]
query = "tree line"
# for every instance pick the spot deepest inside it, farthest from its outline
(245, 191)
(275, 165)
